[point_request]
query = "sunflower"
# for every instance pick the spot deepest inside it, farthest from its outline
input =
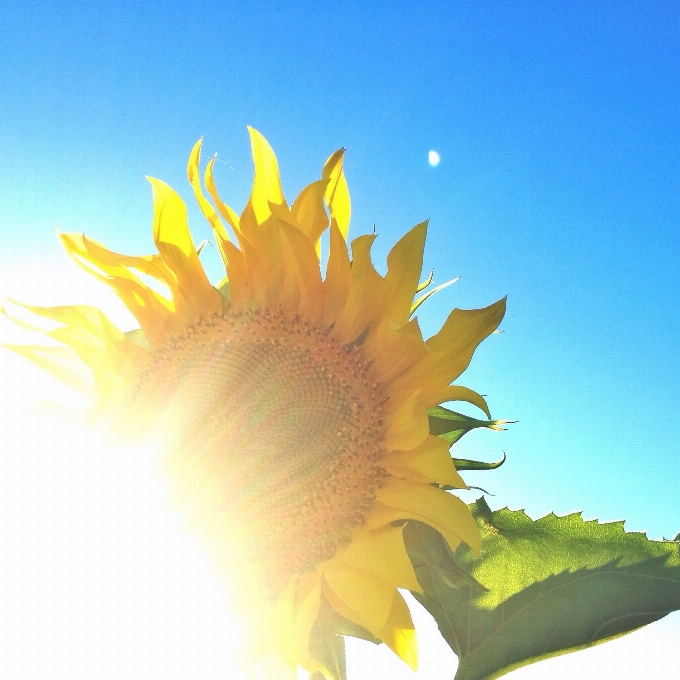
(291, 403)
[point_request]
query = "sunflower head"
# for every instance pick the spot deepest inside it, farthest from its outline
(292, 407)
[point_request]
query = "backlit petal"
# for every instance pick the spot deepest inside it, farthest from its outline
(450, 350)
(337, 193)
(383, 553)
(430, 462)
(404, 264)
(173, 240)
(154, 312)
(399, 633)
(432, 396)
(443, 511)
(394, 351)
(365, 298)
(208, 211)
(309, 212)
(226, 212)
(337, 281)
(351, 585)
(267, 183)
(407, 426)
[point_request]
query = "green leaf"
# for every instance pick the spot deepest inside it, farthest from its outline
(555, 585)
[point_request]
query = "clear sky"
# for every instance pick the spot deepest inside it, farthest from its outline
(557, 125)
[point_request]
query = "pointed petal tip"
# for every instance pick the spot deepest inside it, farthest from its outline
(254, 133)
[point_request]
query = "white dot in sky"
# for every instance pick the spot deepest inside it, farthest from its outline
(433, 158)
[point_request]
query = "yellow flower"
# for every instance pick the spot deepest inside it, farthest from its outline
(292, 407)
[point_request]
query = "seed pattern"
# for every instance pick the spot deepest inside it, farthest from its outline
(275, 427)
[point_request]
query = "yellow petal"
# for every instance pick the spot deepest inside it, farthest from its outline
(337, 193)
(207, 209)
(225, 210)
(432, 396)
(399, 633)
(308, 210)
(151, 265)
(382, 552)
(239, 281)
(309, 601)
(259, 270)
(295, 612)
(337, 281)
(305, 265)
(111, 356)
(365, 298)
(430, 462)
(173, 240)
(366, 595)
(280, 271)
(450, 350)
(267, 183)
(391, 352)
(441, 510)
(407, 425)
(337, 604)
(154, 312)
(404, 264)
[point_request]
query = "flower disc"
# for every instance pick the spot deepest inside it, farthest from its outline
(276, 427)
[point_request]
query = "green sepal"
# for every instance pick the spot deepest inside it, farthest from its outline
(137, 336)
(422, 286)
(465, 464)
(416, 303)
(224, 287)
(451, 425)
(328, 649)
(430, 554)
(555, 585)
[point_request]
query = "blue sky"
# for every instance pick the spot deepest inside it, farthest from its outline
(558, 127)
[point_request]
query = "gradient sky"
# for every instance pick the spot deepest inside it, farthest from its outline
(558, 128)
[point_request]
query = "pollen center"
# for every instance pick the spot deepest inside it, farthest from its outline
(275, 433)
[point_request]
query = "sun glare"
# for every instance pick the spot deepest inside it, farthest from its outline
(99, 576)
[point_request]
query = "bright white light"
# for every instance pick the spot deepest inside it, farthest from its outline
(100, 579)
(433, 158)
